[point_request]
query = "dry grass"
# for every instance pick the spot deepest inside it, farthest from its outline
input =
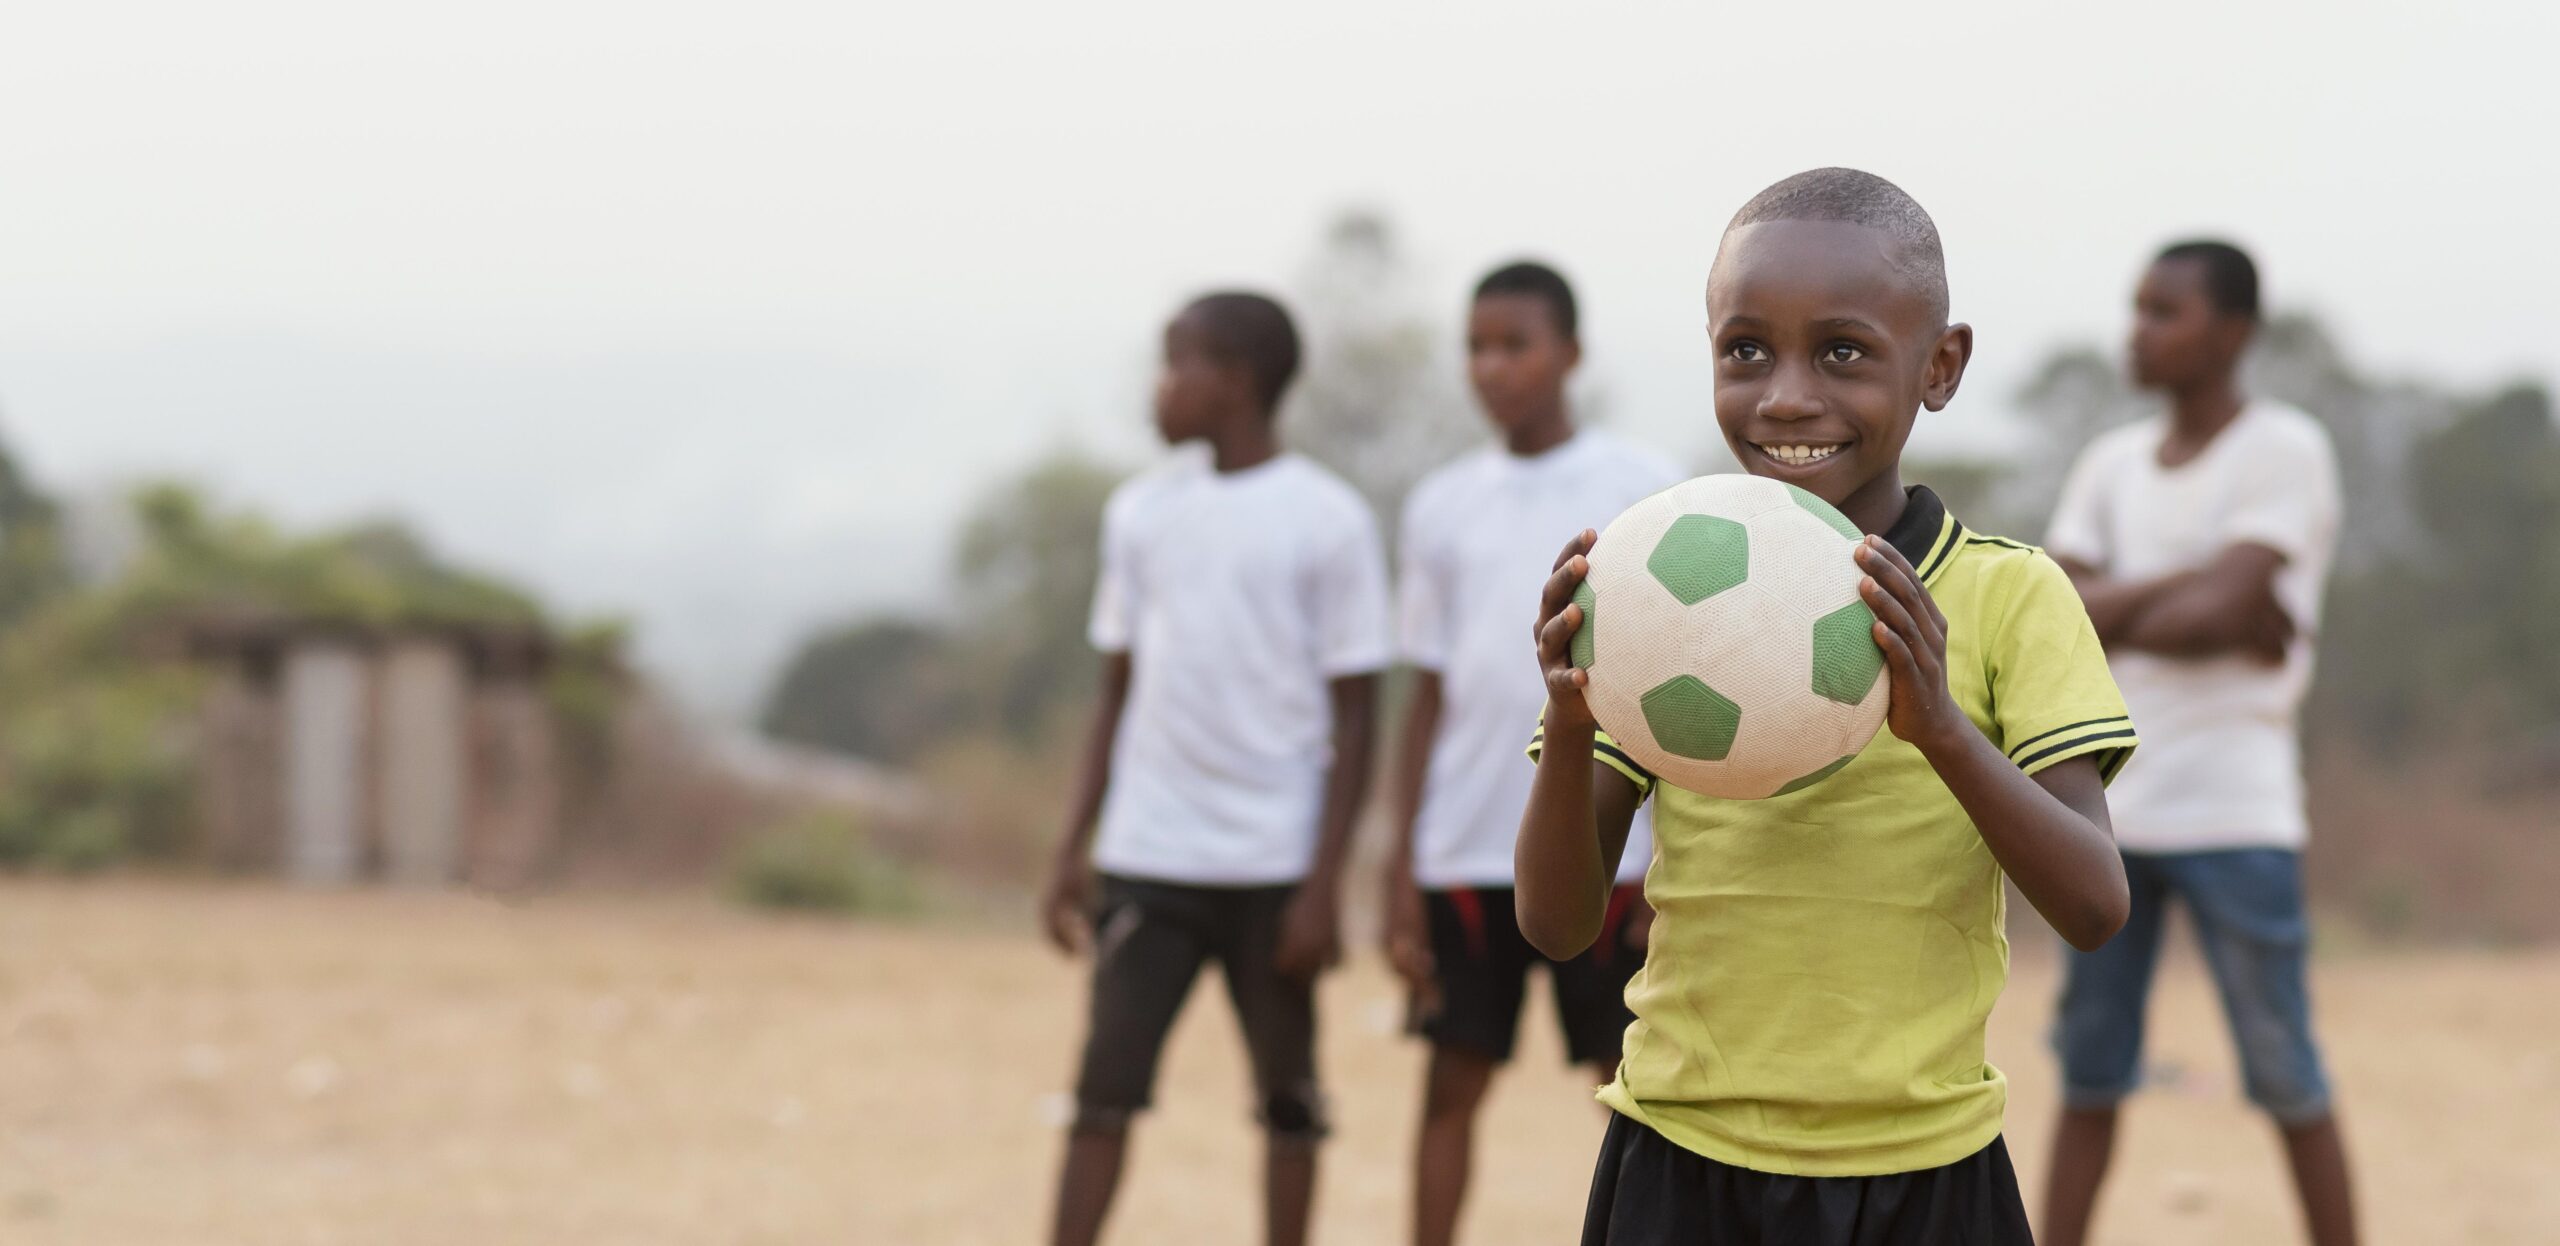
(203, 1065)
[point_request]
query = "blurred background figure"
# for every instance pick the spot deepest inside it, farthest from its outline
(2201, 541)
(1242, 618)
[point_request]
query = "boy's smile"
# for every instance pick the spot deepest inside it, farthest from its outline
(1826, 348)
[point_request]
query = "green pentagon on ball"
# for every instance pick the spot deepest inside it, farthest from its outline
(1845, 658)
(1690, 719)
(1700, 556)
(1582, 636)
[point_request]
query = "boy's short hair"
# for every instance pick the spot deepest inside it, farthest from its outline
(2230, 276)
(1535, 280)
(1860, 198)
(1254, 331)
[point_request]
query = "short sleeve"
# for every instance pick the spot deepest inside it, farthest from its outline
(2079, 530)
(1351, 599)
(2052, 697)
(1423, 581)
(2288, 501)
(1604, 751)
(1112, 625)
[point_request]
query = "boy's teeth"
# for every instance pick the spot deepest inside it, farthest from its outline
(1800, 454)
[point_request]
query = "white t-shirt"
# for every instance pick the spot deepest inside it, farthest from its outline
(1479, 539)
(2220, 764)
(1239, 596)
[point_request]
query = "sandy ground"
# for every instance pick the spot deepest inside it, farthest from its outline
(247, 1064)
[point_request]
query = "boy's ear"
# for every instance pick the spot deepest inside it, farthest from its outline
(1946, 366)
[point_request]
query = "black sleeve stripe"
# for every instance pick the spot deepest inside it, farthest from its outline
(2074, 743)
(2002, 542)
(1616, 752)
(2094, 722)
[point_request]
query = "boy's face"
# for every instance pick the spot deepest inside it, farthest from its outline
(1195, 384)
(2180, 339)
(1825, 352)
(1517, 358)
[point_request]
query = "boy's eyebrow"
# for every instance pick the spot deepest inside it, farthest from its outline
(1848, 322)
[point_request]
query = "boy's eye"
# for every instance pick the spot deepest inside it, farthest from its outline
(1746, 352)
(1842, 352)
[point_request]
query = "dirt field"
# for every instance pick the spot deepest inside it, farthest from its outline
(202, 1065)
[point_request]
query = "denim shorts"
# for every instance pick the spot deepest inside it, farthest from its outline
(2246, 905)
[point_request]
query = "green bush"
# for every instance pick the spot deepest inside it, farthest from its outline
(820, 862)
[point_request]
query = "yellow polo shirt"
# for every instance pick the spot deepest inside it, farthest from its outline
(1823, 963)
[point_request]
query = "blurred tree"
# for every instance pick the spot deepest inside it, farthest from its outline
(31, 563)
(882, 688)
(2452, 642)
(1022, 572)
(1379, 399)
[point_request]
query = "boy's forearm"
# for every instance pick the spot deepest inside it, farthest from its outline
(2065, 864)
(1561, 882)
(2115, 606)
(1093, 775)
(1412, 769)
(1355, 725)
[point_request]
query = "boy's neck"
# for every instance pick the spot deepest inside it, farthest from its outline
(1878, 504)
(1243, 443)
(2200, 411)
(1533, 437)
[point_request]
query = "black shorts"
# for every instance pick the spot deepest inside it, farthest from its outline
(1649, 1191)
(1481, 962)
(1150, 940)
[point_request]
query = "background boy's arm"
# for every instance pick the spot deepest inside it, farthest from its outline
(2227, 606)
(1311, 931)
(2050, 832)
(1575, 827)
(1408, 934)
(1067, 899)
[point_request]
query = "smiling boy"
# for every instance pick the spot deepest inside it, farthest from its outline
(1806, 1063)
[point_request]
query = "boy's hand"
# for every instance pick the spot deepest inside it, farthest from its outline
(1913, 636)
(1066, 907)
(1408, 939)
(1558, 619)
(1310, 934)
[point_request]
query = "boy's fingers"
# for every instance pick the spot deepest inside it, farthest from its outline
(1889, 609)
(1904, 581)
(1558, 592)
(1897, 655)
(1556, 637)
(1580, 544)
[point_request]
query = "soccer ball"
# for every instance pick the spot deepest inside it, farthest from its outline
(1729, 651)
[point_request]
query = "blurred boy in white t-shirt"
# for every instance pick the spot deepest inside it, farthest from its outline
(1242, 618)
(1478, 540)
(2200, 542)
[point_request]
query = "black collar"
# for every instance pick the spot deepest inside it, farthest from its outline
(1915, 535)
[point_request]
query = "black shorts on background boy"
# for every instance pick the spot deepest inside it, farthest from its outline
(1242, 617)
(1476, 542)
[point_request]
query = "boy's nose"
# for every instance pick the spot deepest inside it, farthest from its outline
(1790, 396)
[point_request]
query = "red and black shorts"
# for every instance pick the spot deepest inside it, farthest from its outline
(1481, 963)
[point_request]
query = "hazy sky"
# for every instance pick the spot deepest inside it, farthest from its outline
(716, 315)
